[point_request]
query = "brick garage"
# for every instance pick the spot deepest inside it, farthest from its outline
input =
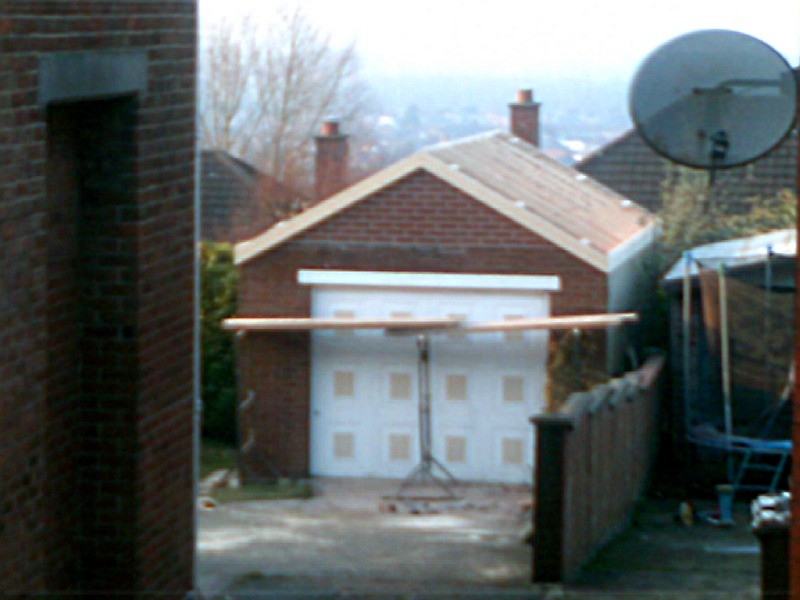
(96, 312)
(527, 216)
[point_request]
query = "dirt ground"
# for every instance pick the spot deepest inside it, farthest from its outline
(347, 543)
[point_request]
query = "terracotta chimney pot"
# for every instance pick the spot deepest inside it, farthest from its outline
(525, 97)
(329, 127)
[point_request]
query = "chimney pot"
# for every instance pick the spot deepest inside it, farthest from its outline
(330, 127)
(525, 97)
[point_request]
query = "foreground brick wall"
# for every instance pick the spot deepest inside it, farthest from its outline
(418, 224)
(96, 230)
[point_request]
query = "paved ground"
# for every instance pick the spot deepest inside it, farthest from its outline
(346, 543)
(658, 557)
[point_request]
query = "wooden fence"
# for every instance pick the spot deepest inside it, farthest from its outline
(593, 460)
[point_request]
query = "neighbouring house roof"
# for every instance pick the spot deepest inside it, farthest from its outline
(629, 166)
(237, 200)
(738, 252)
(516, 179)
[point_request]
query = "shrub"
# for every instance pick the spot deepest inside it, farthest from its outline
(217, 302)
(691, 217)
(575, 363)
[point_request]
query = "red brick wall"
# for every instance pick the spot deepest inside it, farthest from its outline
(419, 224)
(96, 306)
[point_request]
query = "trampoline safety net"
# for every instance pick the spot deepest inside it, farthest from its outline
(747, 314)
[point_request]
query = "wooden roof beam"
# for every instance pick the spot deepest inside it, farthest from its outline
(411, 324)
(310, 323)
(554, 323)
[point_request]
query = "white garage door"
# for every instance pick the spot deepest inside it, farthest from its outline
(364, 404)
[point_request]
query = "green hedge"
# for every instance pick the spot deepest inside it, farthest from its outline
(218, 301)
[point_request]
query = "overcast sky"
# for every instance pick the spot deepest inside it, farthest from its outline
(577, 38)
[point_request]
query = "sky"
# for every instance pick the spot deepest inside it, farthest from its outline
(592, 39)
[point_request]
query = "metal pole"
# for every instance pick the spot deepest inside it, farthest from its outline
(726, 365)
(424, 369)
(794, 533)
(576, 352)
(197, 345)
(687, 345)
(768, 324)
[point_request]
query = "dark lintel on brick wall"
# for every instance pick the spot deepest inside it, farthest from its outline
(70, 76)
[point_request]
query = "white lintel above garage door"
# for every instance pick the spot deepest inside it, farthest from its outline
(544, 283)
(484, 386)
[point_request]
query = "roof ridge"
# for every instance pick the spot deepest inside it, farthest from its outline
(235, 166)
(461, 140)
(610, 144)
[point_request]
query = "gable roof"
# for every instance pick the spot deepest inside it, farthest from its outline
(629, 166)
(515, 179)
(235, 197)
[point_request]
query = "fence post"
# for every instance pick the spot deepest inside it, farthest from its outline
(549, 497)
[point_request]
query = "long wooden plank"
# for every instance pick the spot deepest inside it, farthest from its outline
(554, 323)
(311, 323)
(427, 323)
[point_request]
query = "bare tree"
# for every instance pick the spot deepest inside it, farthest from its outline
(229, 61)
(265, 91)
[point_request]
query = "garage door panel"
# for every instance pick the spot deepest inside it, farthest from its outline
(338, 417)
(512, 454)
(473, 407)
(454, 447)
(339, 450)
(399, 450)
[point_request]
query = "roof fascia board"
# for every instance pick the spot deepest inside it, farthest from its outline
(631, 247)
(318, 277)
(281, 232)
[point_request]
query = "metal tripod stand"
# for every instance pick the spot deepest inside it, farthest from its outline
(424, 472)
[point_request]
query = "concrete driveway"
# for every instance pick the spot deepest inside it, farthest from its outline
(349, 541)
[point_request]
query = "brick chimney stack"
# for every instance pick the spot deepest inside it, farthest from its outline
(524, 117)
(330, 170)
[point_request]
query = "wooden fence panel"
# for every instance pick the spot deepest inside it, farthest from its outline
(593, 460)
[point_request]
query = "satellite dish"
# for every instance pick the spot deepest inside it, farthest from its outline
(713, 99)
